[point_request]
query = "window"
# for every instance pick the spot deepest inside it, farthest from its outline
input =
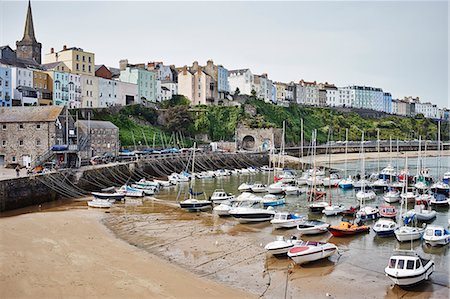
(89, 68)
(35, 75)
(410, 265)
(400, 264)
(14, 158)
(38, 126)
(4, 143)
(84, 69)
(417, 264)
(20, 142)
(89, 59)
(78, 57)
(38, 142)
(20, 126)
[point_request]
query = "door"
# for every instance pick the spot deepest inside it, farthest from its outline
(26, 161)
(2, 160)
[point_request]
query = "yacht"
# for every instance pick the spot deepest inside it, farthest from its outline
(252, 211)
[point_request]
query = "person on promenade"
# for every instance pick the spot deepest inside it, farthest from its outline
(17, 171)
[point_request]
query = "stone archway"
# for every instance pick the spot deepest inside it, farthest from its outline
(248, 142)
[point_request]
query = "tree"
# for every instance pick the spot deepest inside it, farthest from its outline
(179, 119)
(176, 100)
(237, 91)
(253, 93)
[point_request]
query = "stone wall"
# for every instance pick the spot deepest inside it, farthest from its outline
(258, 139)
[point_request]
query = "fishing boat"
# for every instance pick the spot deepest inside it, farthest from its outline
(408, 268)
(286, 220)
(436, 235)
(245, 187)
(258, 188)
(252, 211)
(271, 200)
(281, 245)
(130, 192)
(220, 195)
(347, 229)
(308, 251)
(440, 200)
(384, 227)
(393, 195)
(312, 227)
(109, 196)
(388, 211)
(100, 203)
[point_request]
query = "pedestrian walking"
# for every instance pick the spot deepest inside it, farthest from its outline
(17, 171)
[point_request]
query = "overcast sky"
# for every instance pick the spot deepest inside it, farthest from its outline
(401, 47)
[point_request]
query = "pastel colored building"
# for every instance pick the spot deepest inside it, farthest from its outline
(127, 93)
(5, 86)
(263, 87)
(241, 79)
(308, 93)
(145, 80)
(328, 95)
(387, 102)
(41, 84)
(22, 87)
(89, 91)
(196, 85)
(78, 61)
(281, 91)
(366, 97)
(60, 87)
(74, 93)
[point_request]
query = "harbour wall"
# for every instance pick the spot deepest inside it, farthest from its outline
(72, 183)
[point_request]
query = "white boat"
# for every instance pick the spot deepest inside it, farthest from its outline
(266, 168)
(385, 227)
(392, 196)
(252, 211)
(204, 175)
(362, 184)
(163, 183)
(421, 185)
(271, 200)
(292, 190)
(281, 245)
(258, 188)
(195, 205)
(368, 213)
(436, 235)
(109, 196)
(148, 190)
(440, 200)
(333, 210)
(422, 212)
(236, 171)
(220, 195)
(318, 207)
(276, 188)
(331, 181)
(387, 173)
(286, 220)
(365, 195)
(302, 180)
(407, 268)
(224, 208)
(314, 181)
(130, 192)
(408, 233)
(245, 187)
(312, 227)
(380, 184)
(308, 251)
(245, 171)
(100, 203)
(147, 183)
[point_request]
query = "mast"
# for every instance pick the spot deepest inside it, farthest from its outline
(378, 148)
(439, 150)
(346, 151)
(301, 142)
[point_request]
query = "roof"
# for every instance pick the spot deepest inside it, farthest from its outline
(240, 71)
(30, 114)
(50, 66)
(97, 124)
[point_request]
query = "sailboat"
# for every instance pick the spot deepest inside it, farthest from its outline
(364, 195)
(314, 194)
(347, 182)
(381, 183)
(193, 204)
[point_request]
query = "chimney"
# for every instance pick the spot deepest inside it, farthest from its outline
(185, 70)
(64, 47)
(210, 62)
(52, 50)
(123, 63)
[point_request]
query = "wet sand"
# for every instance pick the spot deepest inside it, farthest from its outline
(71, 254)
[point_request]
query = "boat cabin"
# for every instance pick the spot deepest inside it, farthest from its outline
(436, 231)
(385, 225)
(408, 263)
(286, 216)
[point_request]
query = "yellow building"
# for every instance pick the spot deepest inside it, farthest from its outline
(281, 91)
(42, 83)
(77, 60)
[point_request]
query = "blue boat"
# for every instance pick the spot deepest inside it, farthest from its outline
(273, 201)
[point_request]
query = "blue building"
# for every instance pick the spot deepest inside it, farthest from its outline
(222, 80)
(387, 102)
(274, 94)
(145, 80)
(60, 88)
(5, 86)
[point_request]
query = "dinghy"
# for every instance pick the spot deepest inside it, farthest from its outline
(308, 251)
(100, 203)
(286, 220)
(408, 268)
(388, 211)
(281, 245)
(312, 227)
(347, 229)
(436, 235)
(422, 211)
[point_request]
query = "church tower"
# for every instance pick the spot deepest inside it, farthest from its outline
(28, 48)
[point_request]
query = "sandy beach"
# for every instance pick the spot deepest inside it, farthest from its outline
(71, 254)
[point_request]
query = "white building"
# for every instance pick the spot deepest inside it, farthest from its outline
(428, 110)
(366, 97)
(127, 93)
(89, 91)
(107, 92)
(241, 79)
(263, 87)
(74, 100)
(22, 86)
(307, 93)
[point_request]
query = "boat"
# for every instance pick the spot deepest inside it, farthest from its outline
(130, 192)
(266, 168)
(252, 211)
(258, 188)
(405, 232)
(276, 188)
(147, 183)
(286, 220)
(308, 251)
(331, 181)
(365, 195)
(281, 245)
(318, 207)
(317, 181)
(408, 196)
(388, 211)
(380, 184)
(100, 203)
(346, 183)
(446, 177)
(223, 209)
(245, 187)
(422, 211)
(350, 212)
(388, 173)
(347, 229)
(408, 268)
(436, 235)
(220, 195)
(368, 213)
(163, 183)
(384, 227)
(312, 227)
(440, 200)
(148, 190)
(393, 195)
(333, 210)
(205, 175)
(362, 184)
(271, 200)
(292, 190)
(113, 196)
(302, 180)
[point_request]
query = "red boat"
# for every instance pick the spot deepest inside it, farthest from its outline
(347, 229)
(350, 212)
(388, 211)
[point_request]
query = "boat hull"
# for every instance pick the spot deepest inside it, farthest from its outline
(250, 218)
(195, 207)
(345, 233)
(412, 279)
(312, 255)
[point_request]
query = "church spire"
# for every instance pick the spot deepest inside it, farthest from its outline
(28, 33)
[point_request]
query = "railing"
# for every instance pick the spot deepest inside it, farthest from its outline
(42, 158)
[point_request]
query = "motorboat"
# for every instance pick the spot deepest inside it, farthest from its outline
(332, 181)
(408, 196)
(368, 213)
(276, 188)
(271, 200)
(223, 209)
(312, 227)
(318, 207)
(436, 235)
(441, 188)
(286, 220)
(252, 211)
(365, 195)
(392, 196)
(308, 251)
(380, 184)
(176, 178)
(292, 190)
(281, 245)
(258, 188)
(163, 183)
(350, 212)
(387, 173)
(346, 183)
(147, 183)
(421, 185)
(245, 187)
(148, 190)
(407, 233)
(195, 205)
(362, 184)
(109, 196)
(388, 211)
(347, 229)
(440, 200)
(384, 227)
(220, 195)
(333, 210)
(408, 268)
(130, 192)
(100, 203)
